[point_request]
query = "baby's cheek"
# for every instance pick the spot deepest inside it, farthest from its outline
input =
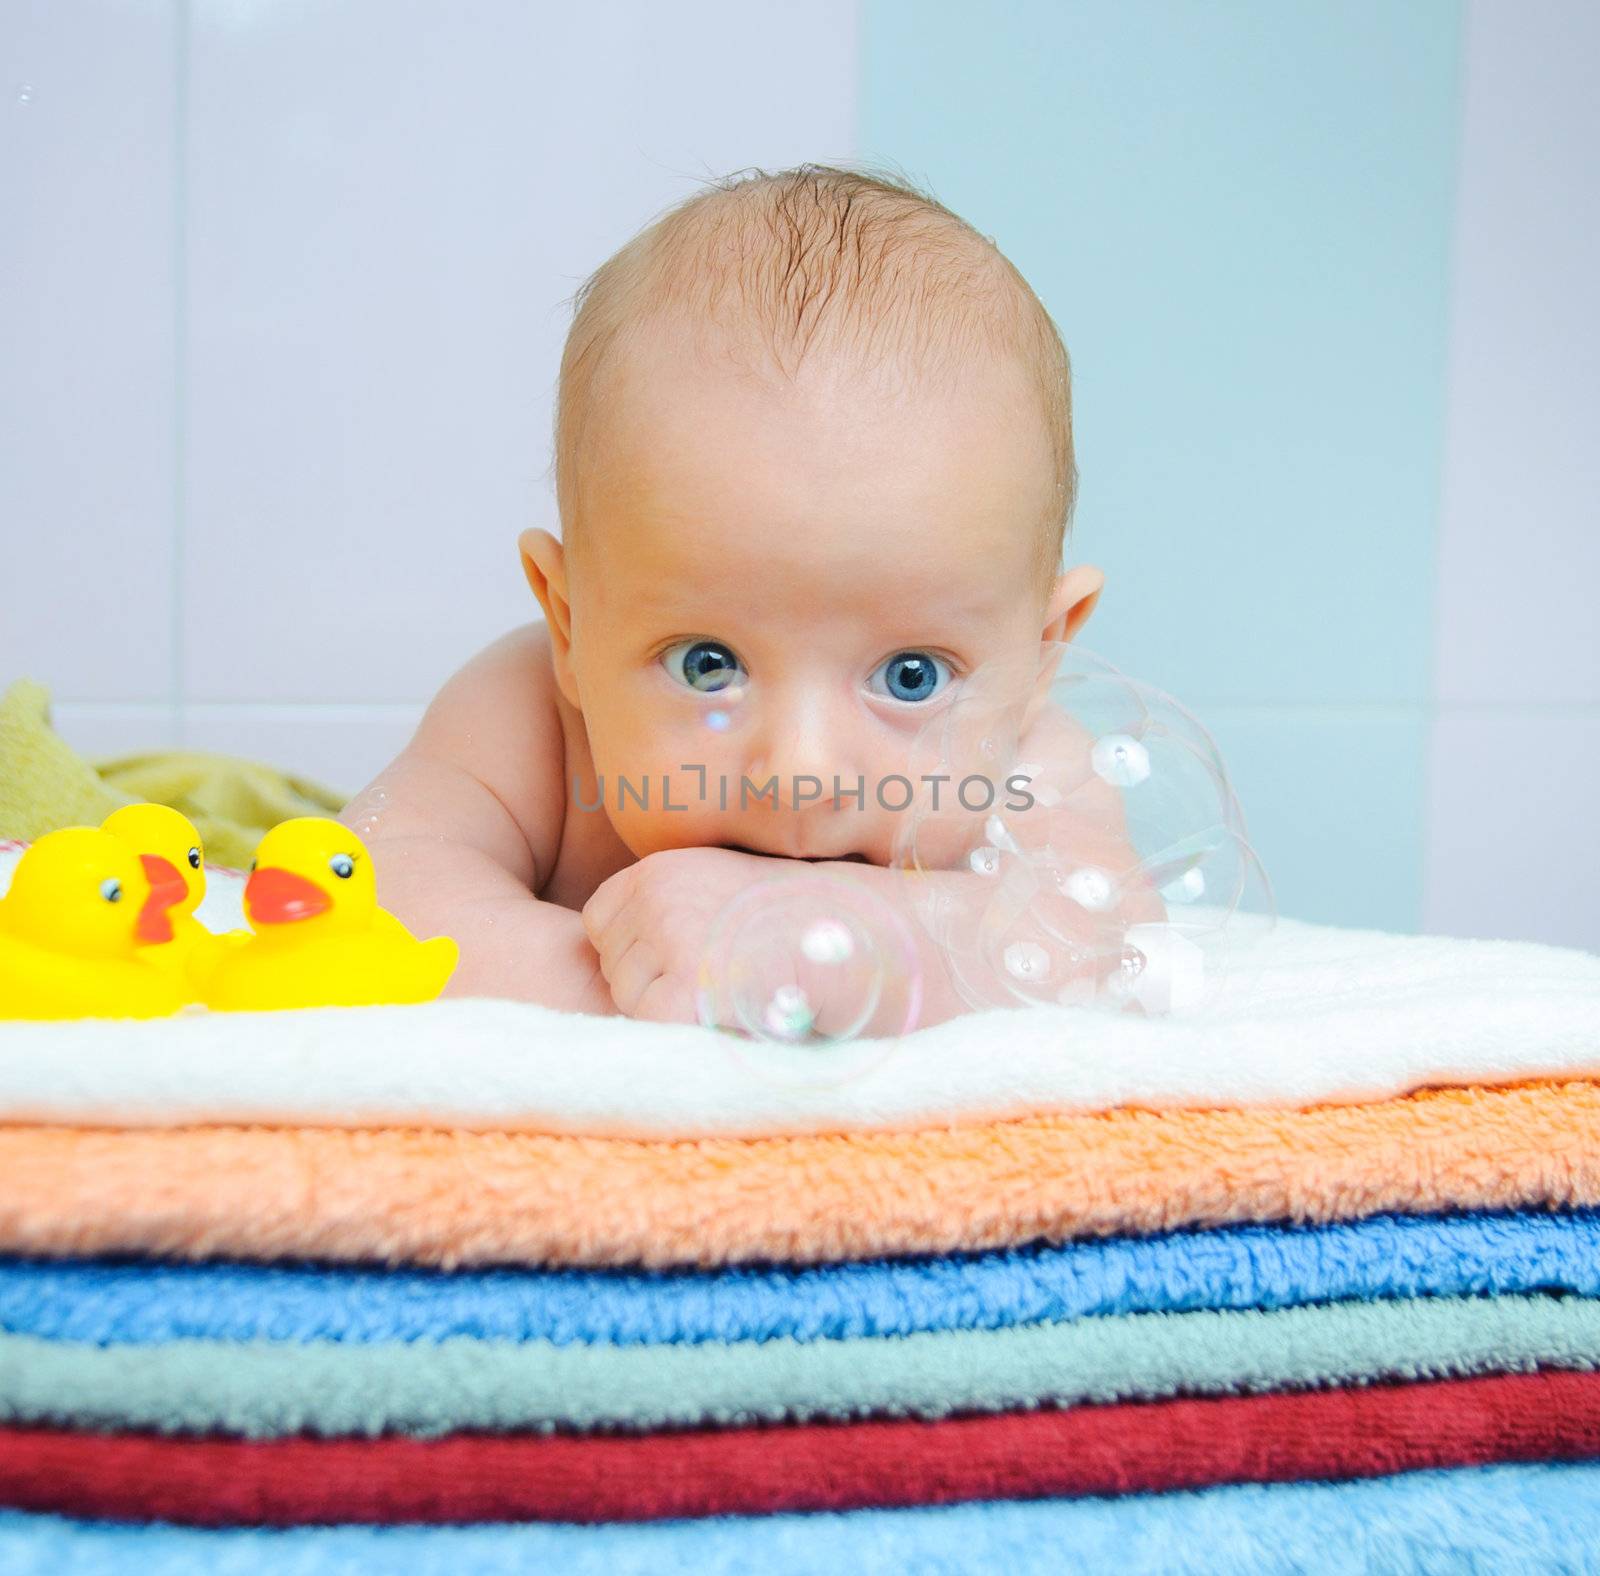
(664, 811)
(651, 782)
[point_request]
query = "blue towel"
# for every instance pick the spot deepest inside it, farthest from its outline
(1515, 1518)
(1247, 1267)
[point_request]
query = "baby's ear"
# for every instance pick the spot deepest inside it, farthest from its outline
(544, 562)
(1071, 603)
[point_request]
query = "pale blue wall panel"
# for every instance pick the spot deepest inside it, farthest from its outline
(1335, 800)
(1240, 216)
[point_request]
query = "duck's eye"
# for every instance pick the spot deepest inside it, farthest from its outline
(911, 676)
(252, 867)
(343, 866)
(194, 858)
(111, 889)
(704, 665)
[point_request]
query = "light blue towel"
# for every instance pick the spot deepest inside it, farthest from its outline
(1246, 1267)
(1513, 1519)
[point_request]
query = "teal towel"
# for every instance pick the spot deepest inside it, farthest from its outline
(263, 1389)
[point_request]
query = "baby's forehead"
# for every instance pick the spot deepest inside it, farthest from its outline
(670, 372)
(833, 483)
(696, 538)
(783, 284)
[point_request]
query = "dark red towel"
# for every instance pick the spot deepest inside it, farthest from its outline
(1087, 1450)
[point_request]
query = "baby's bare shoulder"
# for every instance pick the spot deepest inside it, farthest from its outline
(510, 684)
(497, 726)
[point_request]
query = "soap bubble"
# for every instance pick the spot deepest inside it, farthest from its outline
(1109, 864)
(1121, 759)
(817, 971)
(364, 814)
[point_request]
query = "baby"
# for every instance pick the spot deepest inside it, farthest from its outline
(814, 467)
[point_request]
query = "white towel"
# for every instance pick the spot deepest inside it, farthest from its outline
(1335, 1016)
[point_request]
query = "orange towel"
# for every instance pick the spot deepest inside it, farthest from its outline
(457, 1198)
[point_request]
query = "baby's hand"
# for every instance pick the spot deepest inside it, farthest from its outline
(650, 923)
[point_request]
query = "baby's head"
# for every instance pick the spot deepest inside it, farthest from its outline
(814, 465)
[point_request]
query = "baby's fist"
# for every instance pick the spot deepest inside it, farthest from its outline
(650, 923)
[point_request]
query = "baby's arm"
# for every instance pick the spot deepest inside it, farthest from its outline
(469, 821)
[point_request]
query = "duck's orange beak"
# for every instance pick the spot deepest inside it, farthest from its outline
(166, 888)
(273, 896)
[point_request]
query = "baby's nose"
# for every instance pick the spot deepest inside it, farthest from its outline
(801, 747)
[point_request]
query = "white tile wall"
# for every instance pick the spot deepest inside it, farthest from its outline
(340, 747)
(87, 388)
(1515, 761)
(1520, 547)
(115, 728)
(388, 204)
(289, 297)
(1511, 826)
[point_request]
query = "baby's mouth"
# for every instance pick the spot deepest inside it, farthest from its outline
(810, 859)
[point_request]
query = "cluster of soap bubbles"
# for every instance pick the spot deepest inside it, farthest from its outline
(807, 960)
(1073, 840)
(1112, 868)
(364, 814)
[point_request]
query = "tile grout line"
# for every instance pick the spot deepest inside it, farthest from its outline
(1444, 496)
(180, 358)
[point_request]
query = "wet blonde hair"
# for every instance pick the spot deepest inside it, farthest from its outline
(820, 255)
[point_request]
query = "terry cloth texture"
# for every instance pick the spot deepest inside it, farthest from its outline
(457, 1198)
(265, 1390)
(1122, 1449)
(45, 784)
(1236, 1267)
(1336, 1017)
(1506, 1518)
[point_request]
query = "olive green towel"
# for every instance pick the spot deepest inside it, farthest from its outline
(45, 784)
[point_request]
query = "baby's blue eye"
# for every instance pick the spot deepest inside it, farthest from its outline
(704, 665)
(911, 676)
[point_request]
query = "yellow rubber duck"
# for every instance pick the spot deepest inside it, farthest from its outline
(320, 939)
(73, 930)
(173, 857)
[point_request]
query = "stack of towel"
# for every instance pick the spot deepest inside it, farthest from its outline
(476, 1285)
